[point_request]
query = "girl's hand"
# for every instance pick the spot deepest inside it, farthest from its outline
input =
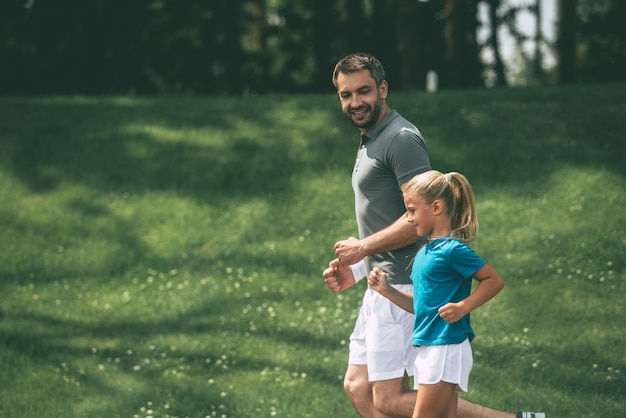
(377, 280)
(452, 312)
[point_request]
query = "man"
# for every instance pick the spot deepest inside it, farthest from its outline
(392, 151)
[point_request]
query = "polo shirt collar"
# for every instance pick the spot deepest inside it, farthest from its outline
(376, 130)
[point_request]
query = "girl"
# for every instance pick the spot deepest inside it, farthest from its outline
(441, 207)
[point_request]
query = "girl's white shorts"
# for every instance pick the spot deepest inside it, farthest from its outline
(382, 337)
(448, 363)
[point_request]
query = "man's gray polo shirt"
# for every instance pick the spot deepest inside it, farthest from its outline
(390, 154)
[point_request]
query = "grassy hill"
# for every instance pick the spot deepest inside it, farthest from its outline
(163, 257)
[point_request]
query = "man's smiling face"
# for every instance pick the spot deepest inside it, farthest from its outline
(361, 101)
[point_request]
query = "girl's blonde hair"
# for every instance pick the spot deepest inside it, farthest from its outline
(456, 193)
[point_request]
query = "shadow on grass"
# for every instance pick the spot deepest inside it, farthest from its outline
(216, 148)
(120, 359)
(204, 149)
(517, 138)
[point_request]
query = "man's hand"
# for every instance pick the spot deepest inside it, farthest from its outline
(338, 277)
(349, 251)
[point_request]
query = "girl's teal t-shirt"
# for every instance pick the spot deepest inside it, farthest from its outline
(442, 273)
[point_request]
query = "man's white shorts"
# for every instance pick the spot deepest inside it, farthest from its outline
(448, 363)
(382, 337)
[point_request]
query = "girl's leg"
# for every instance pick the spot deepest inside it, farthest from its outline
(436, 401)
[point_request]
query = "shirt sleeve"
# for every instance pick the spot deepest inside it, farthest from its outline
(465, 261)
(408, 156)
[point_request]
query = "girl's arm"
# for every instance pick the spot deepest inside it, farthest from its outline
(378, 281)
(490, 285)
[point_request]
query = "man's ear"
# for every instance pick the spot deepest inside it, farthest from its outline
(383, 89)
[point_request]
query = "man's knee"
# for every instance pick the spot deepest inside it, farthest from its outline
(385, 402)
(384, 395)
(356, 386)
(393, 397)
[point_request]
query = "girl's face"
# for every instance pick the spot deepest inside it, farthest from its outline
(420, 214)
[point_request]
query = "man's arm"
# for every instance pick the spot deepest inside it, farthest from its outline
(397, 235)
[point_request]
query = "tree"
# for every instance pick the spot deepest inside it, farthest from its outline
(566, 41)
(538, 71)
(322, 20)
(406, 48)
(602, 41)
(494, 24)
(230, 15)
(262, 46)
(462, 66)
(353, 24)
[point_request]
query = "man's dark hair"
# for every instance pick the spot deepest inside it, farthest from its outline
(359, 61)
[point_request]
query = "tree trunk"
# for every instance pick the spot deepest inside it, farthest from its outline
(495, 43)
(566, 41)
(232, 53)
(384, 36)
(406, 48)
(462, 63)
(259, 45)
(538, 61)
(353, 22)
(321, 21)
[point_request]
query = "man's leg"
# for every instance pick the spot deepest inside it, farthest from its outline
(393, 397)
(359, 391)
(467, 409)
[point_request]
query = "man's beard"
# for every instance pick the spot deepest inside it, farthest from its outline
(373, 119)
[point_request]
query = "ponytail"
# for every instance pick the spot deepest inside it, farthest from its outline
(456, 192)
(462, 211)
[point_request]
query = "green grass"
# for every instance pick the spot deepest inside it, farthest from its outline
(163, 257)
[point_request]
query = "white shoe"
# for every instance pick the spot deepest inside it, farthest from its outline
(531, 415)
